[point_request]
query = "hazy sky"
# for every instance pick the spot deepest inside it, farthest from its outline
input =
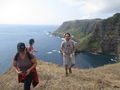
(54, 11)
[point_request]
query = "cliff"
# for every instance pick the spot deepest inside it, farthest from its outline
(94, 35)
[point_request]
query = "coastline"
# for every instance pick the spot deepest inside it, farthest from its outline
(60, 35)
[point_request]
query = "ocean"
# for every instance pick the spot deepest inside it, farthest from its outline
(47, 45)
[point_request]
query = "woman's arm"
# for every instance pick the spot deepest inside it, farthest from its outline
(15, 67)
(34, 62)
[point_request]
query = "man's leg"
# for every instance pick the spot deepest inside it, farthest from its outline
(66, 70)
(70, 68)
(65, 62)
(72, 64)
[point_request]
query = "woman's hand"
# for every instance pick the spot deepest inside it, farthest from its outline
(15, 67)
(34, 51)
(19, 72)
(28, 72)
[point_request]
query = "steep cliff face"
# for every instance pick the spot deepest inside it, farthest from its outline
(82, 27)
(108, 33)
(96, 35)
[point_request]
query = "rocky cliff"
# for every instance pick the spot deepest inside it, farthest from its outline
(95, 35)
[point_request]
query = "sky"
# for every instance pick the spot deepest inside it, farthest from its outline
(55, 12)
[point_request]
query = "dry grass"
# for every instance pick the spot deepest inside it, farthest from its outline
(52, 77)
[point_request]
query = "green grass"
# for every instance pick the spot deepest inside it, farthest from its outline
(84, 42)
(75, 32)
(87, 44)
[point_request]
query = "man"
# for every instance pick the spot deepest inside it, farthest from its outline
(68, 51)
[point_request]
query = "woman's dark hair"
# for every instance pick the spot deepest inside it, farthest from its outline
(31, 41)
(67, 34)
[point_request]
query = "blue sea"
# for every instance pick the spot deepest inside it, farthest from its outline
(47, 45)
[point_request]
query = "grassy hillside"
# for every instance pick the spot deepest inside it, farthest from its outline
(52, 77)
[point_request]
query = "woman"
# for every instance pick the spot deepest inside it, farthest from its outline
(30, 47)
(24, 64)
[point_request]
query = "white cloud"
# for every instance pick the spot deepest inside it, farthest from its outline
(91, 8)
(25, 12)
(54, 11)
(88, 6)
(86, 17)
(73, 2)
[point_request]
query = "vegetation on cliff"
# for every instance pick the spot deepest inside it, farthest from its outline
(96, 35)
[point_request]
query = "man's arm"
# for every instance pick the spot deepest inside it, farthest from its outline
(62, 49)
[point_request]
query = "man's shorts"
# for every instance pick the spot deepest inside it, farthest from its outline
(67, 60)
